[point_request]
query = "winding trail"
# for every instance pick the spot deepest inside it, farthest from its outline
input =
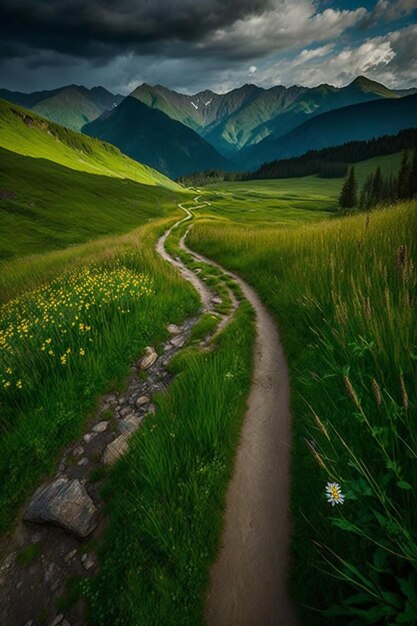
(248, 585)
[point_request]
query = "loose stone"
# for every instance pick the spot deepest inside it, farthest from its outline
(142, 400)
(78, 451)
(100, 427)
(83, 461)
(178, 342)
(115, 449)
(70, 556)
(129, 425)
(57, 620)
(173, 329)
(89, 437)
(148, 359)
(88, 563)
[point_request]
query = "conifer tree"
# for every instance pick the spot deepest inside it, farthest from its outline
(413, 176)
(348, 198)
(403, 189)
(377, 187)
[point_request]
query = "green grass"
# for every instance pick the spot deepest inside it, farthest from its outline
(26, 133)
(343, 293)
(70, 339)
(171, 489)
(45, 206)
(285, 201)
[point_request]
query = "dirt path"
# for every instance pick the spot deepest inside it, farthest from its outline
(249, 579)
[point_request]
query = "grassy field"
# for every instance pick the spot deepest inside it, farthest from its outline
(343, 293)
(285, 202)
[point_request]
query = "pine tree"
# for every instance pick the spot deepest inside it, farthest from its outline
(377, 187)
(365, 200)
(404, 178)
(348, 197)
(413, 176)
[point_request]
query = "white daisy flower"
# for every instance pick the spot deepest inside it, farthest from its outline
(334, 494)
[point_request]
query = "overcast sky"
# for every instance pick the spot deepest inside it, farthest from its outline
(190, 45)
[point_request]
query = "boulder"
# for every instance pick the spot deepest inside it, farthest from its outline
(64, 503)
(148, 358)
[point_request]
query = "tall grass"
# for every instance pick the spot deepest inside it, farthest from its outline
(344, 294)
(69, 335)
(166, 497)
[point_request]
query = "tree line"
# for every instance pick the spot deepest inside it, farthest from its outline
(330, 162)
(380, 189)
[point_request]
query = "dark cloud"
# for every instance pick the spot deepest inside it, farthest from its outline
(191, 44)
(104, 27)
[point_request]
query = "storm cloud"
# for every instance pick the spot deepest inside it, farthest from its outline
(190, 44)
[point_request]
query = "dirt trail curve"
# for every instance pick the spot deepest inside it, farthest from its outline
(248, 584)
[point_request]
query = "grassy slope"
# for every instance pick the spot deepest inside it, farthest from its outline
(47, 206)
(59, 188)
(37, 137)
(345, 307)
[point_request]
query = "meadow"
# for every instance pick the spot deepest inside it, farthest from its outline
(73, 336)
(82, 292)
(343, 294)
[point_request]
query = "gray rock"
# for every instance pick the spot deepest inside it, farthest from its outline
(65, 623)
(129, 424)
(173, 329)
(88, 563)
(148, 358)
(116, 449)
(83, 461)
(125, 411)
(100, 427)
(78, 451)
(217, 300)
(89, 437)
(70, 556)
(19, 585)
(142, 400)
(57, 620)
(30, 623)
(65, 503)
(178, 341)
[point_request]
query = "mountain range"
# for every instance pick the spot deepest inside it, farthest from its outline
(71, 106)
(179, 134)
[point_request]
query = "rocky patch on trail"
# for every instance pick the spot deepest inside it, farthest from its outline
(66, 512)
